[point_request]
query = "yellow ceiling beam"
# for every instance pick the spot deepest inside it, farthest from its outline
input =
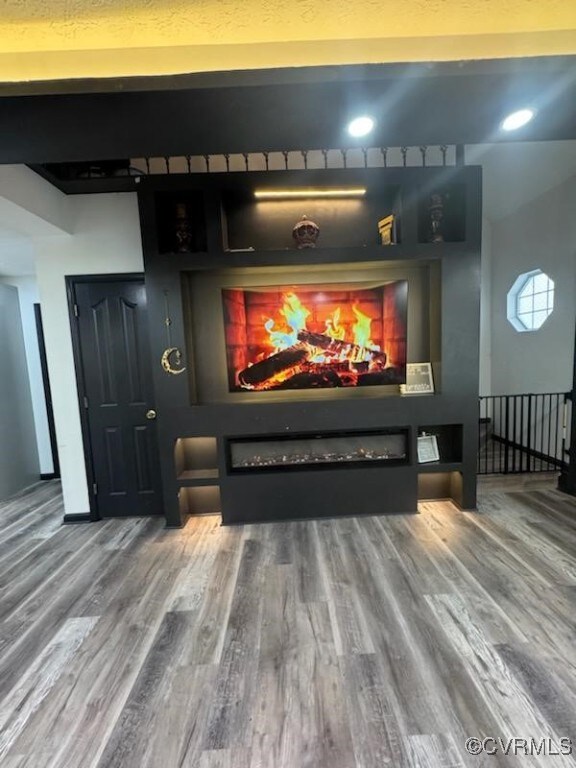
(106, 38)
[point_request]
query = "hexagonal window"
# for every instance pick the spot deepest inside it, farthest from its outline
(530, 300)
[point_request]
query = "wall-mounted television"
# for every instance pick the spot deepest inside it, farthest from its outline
(294, 337)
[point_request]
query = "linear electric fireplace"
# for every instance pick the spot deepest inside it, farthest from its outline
(317, 450)
(315, 336)
(317, 474)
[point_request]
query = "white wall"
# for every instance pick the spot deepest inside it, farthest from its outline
(28, 296)
(485, 383)
(18, 455)
(106, 240)
(541, 234)
(31, 205)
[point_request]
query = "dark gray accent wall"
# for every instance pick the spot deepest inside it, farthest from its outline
(19, 464)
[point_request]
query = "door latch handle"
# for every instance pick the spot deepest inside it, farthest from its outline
(151, 414)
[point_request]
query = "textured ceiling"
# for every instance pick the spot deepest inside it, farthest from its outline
(63, 24)
(105, 38)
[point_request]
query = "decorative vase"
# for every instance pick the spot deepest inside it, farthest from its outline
(182, 230)
(436, 234)
(305, 233)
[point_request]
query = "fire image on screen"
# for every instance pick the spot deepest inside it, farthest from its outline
(312, 336)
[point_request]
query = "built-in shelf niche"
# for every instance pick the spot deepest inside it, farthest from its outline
(203, 500)
(446, 205)
(180, 222)
(266, 225)
(196, 460)
(440, 485)
(449, 439)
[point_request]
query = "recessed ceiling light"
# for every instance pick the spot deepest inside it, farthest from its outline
(517, 119)
(360, 126)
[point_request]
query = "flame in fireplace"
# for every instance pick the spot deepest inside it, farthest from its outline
(333, 327)
(279, 339)
(294, 312)
(361, 329)
(296, 316)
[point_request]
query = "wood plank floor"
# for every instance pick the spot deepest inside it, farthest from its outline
(350, 643)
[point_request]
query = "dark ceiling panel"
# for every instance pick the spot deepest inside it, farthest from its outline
(289, 109)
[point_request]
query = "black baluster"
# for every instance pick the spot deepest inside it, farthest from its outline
(480, 402)
(556, 420)
(529, 434)
(488, 435)
(506, 433)
(518, 437)
(549, 421)
(543, 448)
(497, 400)
(489, 410)
(545, 427)
(499, 442)
(536, 448)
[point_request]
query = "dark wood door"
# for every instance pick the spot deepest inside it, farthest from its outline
(117, 377)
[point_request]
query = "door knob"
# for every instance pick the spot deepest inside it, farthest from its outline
(151, 414)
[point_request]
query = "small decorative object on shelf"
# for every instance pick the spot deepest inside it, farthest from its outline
(183, 230)
(387, 229)
(419, 380)
(305, 233)
(436, 234)
(427, 448)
